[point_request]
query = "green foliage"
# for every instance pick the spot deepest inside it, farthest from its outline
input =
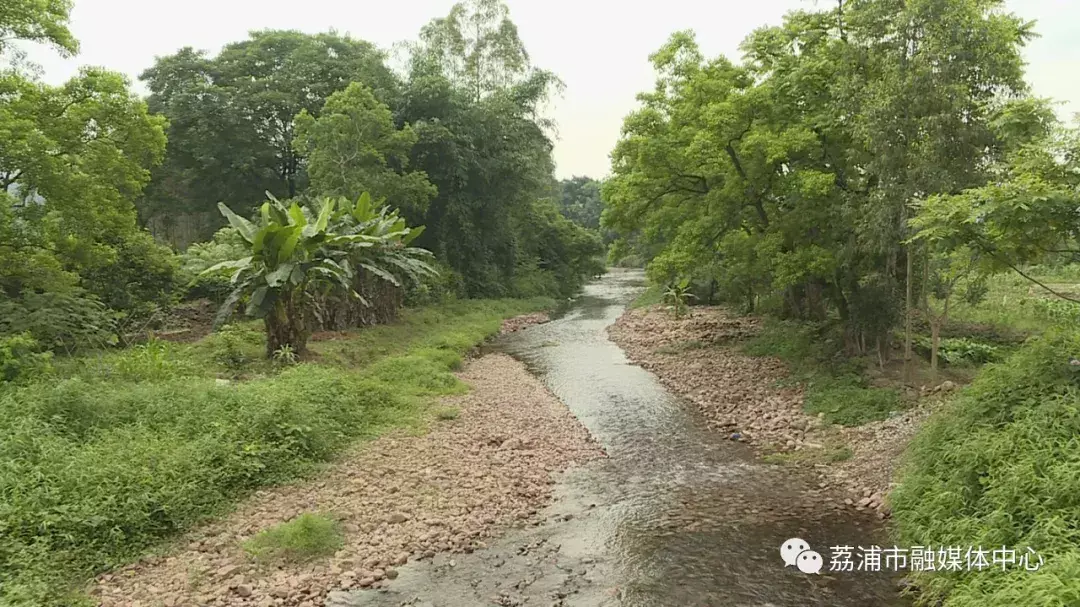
(677, 295)
(285, 355)
(22, 358)
(783, 181)
(848, 400)
(226, 245)
(341, 163)
(304, 538)
(447, 414)
(231, 346)
(833, 383)
(37, 21)
(580, 202)
(231, 116)
(142, 444)
(961, 350)
(61, 322)
(298, 252)
(997, 467)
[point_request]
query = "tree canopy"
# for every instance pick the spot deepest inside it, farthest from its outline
(787, 179)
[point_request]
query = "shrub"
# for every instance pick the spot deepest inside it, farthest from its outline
(226, 245)
(61, 322)
(21, 358)
(1000, 466)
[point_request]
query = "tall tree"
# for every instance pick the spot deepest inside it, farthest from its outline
(354, 147)
(231, 116)
(44, 21)
(580, 202)
(477, 46)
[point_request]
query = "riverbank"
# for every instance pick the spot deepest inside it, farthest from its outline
(488, 462)
(138, 446)
(746, 397)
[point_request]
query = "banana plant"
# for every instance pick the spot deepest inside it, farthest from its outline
(677, 296)
(300, 252)
(391, 253)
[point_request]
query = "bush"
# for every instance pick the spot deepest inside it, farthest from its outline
(233, 346)
(834, 384)
(1000, 466)
(21, 358)
(848, 401)
(60, 322)
(960, 350)
(226, 245)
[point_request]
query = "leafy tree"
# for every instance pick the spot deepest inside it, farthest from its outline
(231, 116)
(477, 47)
(490, 160)
(74, 159)
(580, 201)
(44, 21)
(354, 147)
(787, 180)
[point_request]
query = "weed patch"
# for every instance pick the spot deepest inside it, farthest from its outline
(305, 538)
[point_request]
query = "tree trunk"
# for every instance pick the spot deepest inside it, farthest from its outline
(935, 340)
(286, 326)
(907, 319)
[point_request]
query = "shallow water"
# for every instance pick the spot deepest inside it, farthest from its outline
(677, 515)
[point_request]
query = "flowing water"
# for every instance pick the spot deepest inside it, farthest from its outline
(677, 515)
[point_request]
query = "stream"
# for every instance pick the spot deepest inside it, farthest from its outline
(677, 515)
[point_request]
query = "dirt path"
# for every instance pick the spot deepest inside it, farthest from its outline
(400, 498)
(737, 395)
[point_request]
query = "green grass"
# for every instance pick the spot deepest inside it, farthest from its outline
(651, 296)
(305, 538)
(834, 385)
(999, 465)
(447, 413)
(118, 452)
(1014, 304)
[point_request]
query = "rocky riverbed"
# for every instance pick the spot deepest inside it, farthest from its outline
(738, 395)
(400, 498)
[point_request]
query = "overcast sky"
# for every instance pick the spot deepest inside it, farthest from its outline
(600, 48)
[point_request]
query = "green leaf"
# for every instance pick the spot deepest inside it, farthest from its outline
(236, 264)
(245, 227)
(280, 274)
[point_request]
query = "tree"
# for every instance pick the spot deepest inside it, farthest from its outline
(74, 160)
(44, 21)
(787, 179)
(354, 147)
(477, 47)
(490, 160)
(231, 116)
(580, 201)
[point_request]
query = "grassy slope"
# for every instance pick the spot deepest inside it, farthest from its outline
(1000, 466)
(119, 451)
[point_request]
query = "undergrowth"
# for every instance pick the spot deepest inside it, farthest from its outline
(119, 451)
(834, 384)
(1000, 466)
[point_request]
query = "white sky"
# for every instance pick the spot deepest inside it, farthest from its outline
(599, 48)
